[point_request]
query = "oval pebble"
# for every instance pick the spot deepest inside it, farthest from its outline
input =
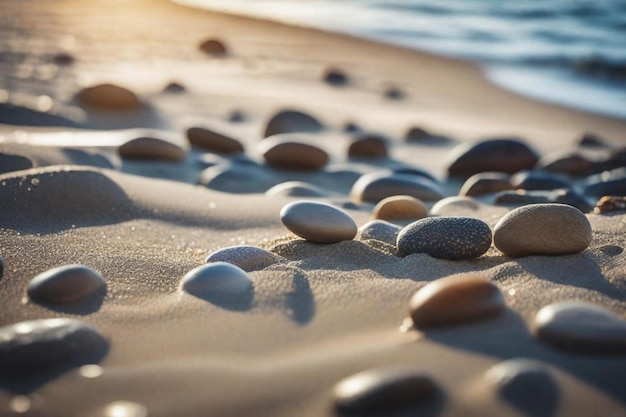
(249, 258)
(217, 278)
(234, 177)
(109, 97)
(297, 189)
(288, 121)
(500, 155)
(450, 205)
(539, 180)
(210, 140)
(453, 238)
(379, 230)
(285, 153)
(33, 347)
(486, 183)
(384, 389)
(377, 186)
(318, 222)
(569, 163)
(214, 47)
(65, 284)
(152, 149)
(607, 183)
(367, 146)
(455, 300)
(400, 207)
(335, 77)
(542, 229)
(581, 327)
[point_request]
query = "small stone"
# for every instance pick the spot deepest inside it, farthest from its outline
(368, 146)
(486, 183)
(394, 93)
(296, 189)
(610, 203)
(248, 258)
(216, 278)
(63, 59)
(607, 183)
(377, 186)
(351, 127)
(384, 390)
(379, 230)
(453, 238)
(318, 222)
(591, 140)
(236, 116)
(564, 196)
(109, 97)
(30, 348)
(174, 88)
(581, 327)
(499, 155)
(152, 149)
(285, 153)
(65, 284)
(449, 205)
(415, 172)
(542, 229)
(417, 134)
(214, 47)
(289, 121)
(335, 77)
(569, 163)
(210, 140)
(454, 300)
(400, 207)
(539, 180)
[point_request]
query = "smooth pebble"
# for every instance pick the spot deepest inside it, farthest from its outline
(568, 162)
(335, 77)
(216, 278)
(286, 153)
(367, 146)
(400, 207)
(152, 149)
(451, 205)
(211, 140)
(499, 155)
(249, 258)
(606, 183)
(539, 180)
(65, 284)
(379, 230)
(10, 162)
(214, 47)
(318, 222)
(486, 183)
(238, 178)
(610, 203)
(109, 97)
(288, 121)
(296, 189)
(377, 186)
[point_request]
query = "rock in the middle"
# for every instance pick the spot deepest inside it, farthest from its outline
(318, 222)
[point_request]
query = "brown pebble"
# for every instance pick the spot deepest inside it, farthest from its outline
(153, 149)
(486, 183)
(205, 138)
(499, 155)
(288, 121)
(367, 146)
(400, 207)
(610, 203)
(285, 153)
(108, 97)
(214, 47)
(569, 163)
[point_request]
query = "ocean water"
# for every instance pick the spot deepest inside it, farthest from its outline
(571, 52)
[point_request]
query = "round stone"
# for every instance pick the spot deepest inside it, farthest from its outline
(152, 149)
(63, 59)
(65, 284)
(377, 186)
(453, 238)
(542, 229)
(384, 390)
(417, 134)
(335, 77)
(249, 258)
(499, 155)
(30, 348)
(455, 300)
(569, 163)
(379, 230)
(607, 183)
(216, 278)
(486, 183)
(210, 140)
(214, 47)
(581, 327)
(562, 196)
(367, 146)
(450, 205)
(109, 97)
(296, 189)
(592, 140)
(288, 121)
(286, 153)
(415, 172)
(318, 222)
(539, 180)
(400, 207)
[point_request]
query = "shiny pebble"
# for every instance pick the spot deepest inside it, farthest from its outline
(249, 258)
(217, 278)
(65, 284)
(318, 222)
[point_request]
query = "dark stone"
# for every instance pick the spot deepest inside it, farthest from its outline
(335, 77)
(174, 88)
(288, 121)
(285, 153)
(109, 97)
(379, 185)
(486, 183)
(213, 141)
(569, 163)
(539, 180)
(63, 59)
(152, 149)
(416, 172)
(394, 93)
(214, 47)
(367, 146)
(522, 197)
(591, 140)
(607, 183)
(499, 155)
(65, 284)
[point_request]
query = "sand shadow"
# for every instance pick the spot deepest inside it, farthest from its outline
(145, 117)
(240, 302)
(83, 307)
(430, 408)
(299, 302)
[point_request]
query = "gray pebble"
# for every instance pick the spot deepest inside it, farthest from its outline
(379, 230)
(569, 163)
(539, 180)
(450, 205)
(288, 121)
(486, 183)
(248, 258)
(376, 186)
(499, 155)
(65, 284)
(234, 177)
(296, 189)
(318, 222)
(286, 152)
(607, 183)
(562, 196)
(217, 278)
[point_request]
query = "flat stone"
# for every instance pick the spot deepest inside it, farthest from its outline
(568, 162)
(542, 229)
(249, 258)
(562, 196)
(318, 222)
(108, 97)
(379, 230)
(210, 140)
(453, 204)
(214, 47)
(152, 149)
(288, 121)
(539, 180)
(581, 327)
(65, 284)
(384, 390)
(486, 183)
(610, 203)
(367, 146)
(499, 155)
(30, 348)
(297, 189)
(286, 153)
(607, 183)
(453, 238)
(457, 299)
(377, 186)
(216, 278)
(420, 136)
(335, 77)
(63, 59)
(400, 207)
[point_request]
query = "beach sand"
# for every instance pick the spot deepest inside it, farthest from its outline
(325, 311)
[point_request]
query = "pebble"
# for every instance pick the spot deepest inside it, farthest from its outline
(486, 183)
(296, 189)
(394, 93)
(377, 186)
(568, 163)
(607, 183)
(379, 230)
(499, 155)
(454, 204)
(542, 229)
(214, 47)
(65, 284)
(174, 88)
(416, 134)
(217, 278)
(210, 140)
(563, 196)
(368, 146)
(351, 127)
(610, 203)
(318, 222)
(63, 59)
(419, 136)
(288, 121)
(152, 149)
(400, 207)
(591, 140)
(453, 238)
(415, 172)
(335, 77)
(539, 180)
(384, 390)
(285, 153)
(109, 97)
(455, 300)
(33, 347)
(581, 327)
(239, 178)
(11, 163)
(249, 258)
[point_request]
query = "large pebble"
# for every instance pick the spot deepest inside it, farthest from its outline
(539, 180)
(288, 121)
(607, 183)
(210, 140)
(417, 172)
(542, 229)
(296, 189)
(109, 97)
(562, 196)
(286, 153)
(217, 278)
(453, 238)
(152, 149)
(379, 230)
(455, 300)
(249, 258)
(486, 183)
(32, 347)
(400, 207)
(569, 163)
(65, 284)
(318, 222)
(581, 327)
(367, 146)
(377, 186)
(384, 390)
(500, 155)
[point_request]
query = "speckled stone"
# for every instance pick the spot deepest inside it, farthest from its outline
(33, 347)
(210, 140)
(65, 284)
(216, 278)
(249, 258)
(335, 77)
(367, 146)
(542, 229)
(453, 238)
(379, 230)
(318, 222)
(499, 155)
(456, 299)
(286, 153)
(152, 149)
(108, 97)
(568, 162)
(377, 186)
(453, 204)
(296, 189)
(581, 327)
(486, 183)
(288, 121)
(400, 207)
(539, 180)
(607, 183)
(563, 196)
(610, 203)
(384, 390)
(213, 47)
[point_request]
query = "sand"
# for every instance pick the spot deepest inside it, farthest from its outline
(326, 311)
